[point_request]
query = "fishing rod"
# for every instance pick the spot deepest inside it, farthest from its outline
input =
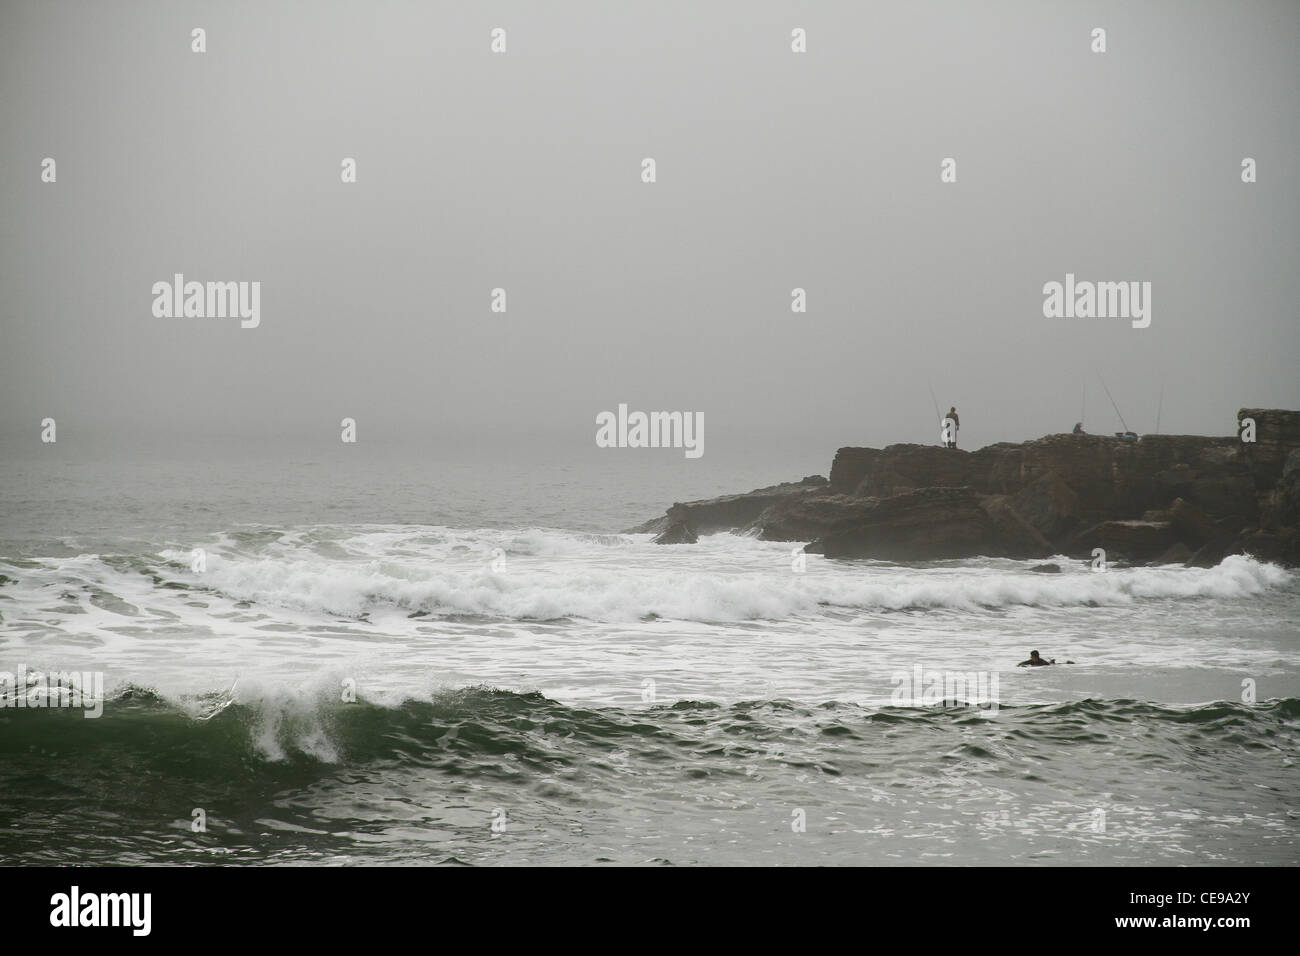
(937, 414)
(1160, 406)
(1127, 430)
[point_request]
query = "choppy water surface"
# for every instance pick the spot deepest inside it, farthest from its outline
(422, 693)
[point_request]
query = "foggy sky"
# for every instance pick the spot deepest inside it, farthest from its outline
(775, 170)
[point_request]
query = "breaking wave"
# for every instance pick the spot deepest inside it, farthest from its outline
(548, 575)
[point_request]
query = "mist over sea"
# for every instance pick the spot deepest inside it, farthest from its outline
(441, 651)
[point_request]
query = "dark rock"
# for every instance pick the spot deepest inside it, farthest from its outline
(1013, 536)
(1224, 537)
(999, 469)
(850, 467)
(1050, 505)
(1279, 548)
(805, 517)
(1085, 462)
(826, 517)
(883, 483)
(729, 512)
(1190, 524)
(1060, 493)
(1228, 495)
(1277, 434)
(1046, 568)
(918, 526)
(1281, 505)
(1135, 540)
(679, 531)
(1208, 555)
(1209, 472)
(1177, 553)
(931, 524)
(653, 526)
(906, 467)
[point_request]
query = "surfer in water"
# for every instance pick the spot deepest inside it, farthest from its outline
(1036, 661)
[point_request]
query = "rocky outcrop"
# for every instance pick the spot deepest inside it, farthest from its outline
(867, 526)
(850, 467)
(1277, 538)
(1050, 505)
(928, 524)
(1191, 525)
(727, 512)
(1277, 547)
(1212, 473)
(1134, 541)
(1176, 553)
(679, 531)
(1162, 498)
(1276, 434)
(917, 526)
(805, 517)
(1108, 477)
(1280, 506)
(1012, 535)
(902, 468)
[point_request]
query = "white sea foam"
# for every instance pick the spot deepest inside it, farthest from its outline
(407, 611)
(549, 575)
(546, 575)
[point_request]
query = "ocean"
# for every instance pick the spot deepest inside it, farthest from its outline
(365, 655)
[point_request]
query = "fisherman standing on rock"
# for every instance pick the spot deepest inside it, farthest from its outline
(956, 426)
